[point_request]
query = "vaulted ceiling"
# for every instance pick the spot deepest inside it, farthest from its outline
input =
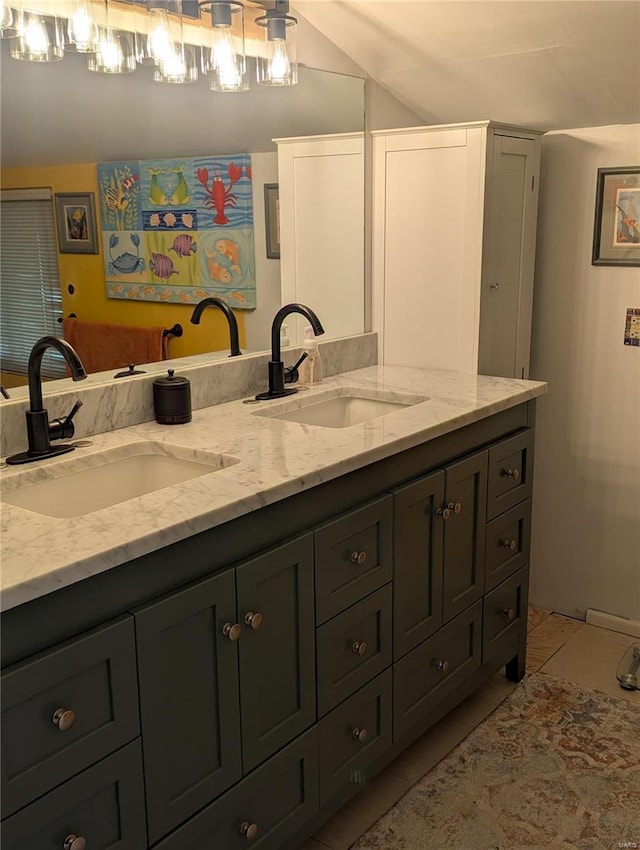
(546, 64)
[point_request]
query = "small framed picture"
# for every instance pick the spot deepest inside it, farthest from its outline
(76, 218)
(272, 220)
(616, 235)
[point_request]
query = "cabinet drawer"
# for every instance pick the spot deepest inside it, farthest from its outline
(353, 736)
(94, 676)
(504, 613)
(510, 473)
(104, 805)
(507, 544)
(353, 648)
(353, 556)
(264, 810)
(430, 673)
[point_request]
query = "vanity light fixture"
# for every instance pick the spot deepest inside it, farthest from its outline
(278, 65)
(181, 66)
(223, 54)
(83, 34)
(39, 38)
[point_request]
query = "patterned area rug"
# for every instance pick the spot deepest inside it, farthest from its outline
(555, 766)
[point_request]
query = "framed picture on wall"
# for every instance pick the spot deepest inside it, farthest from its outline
(76, 219)
(272, 220)
(616, 235)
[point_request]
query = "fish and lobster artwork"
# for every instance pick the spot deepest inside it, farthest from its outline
(179, 230)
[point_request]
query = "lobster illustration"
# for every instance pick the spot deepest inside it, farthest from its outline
(219, 197)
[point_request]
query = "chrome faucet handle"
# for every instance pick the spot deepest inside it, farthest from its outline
(63, 429)
(291, 373)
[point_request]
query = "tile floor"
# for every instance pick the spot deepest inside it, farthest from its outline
(567, 648)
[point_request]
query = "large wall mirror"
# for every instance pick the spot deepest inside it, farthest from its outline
(58, 116)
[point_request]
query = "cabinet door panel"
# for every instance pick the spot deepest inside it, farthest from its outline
(510, 473)
(417, 567)
(507, 544)
(277, 660)
(464, 534)
(104, 805)
(189, 700)
(504, 614)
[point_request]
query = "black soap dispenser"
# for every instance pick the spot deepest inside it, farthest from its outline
(172, 399)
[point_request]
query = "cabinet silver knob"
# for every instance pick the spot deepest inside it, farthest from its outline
(455, 507)
(508, 544)
(358, 558)
(232, 630)
(74, 842)
(508, 613)
(64, 719)
(443, 513)
(249, 830)
(253, 619)
(359, 647)
(442, 665)
(360, 735)
(507, 472)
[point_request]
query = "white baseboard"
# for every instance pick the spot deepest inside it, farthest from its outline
(614, 623)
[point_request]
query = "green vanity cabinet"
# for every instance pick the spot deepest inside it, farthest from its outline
(241, 685)
(227, 660)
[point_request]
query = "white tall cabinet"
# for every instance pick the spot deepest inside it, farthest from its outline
(453, 248)
(321, 200)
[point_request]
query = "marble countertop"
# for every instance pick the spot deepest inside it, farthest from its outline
(276, 459)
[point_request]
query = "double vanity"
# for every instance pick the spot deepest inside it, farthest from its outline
(215, 634)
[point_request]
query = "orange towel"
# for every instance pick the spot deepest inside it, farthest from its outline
(102, 346)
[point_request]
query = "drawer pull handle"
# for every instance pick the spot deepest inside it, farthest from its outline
(443, 513)
(508, 544)
(359, 647)
(74, 842)
(254, 620)
(442, 665)
(508, 613)
(455, 507)
(360, 735)
(64, 719)
(507, 472)
(232, 630)
(249, 830)
(358, 558)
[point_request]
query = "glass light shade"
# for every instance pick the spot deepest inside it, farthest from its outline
(277, 63)
(115, 53)
(223, 52)
(40, 38)
(180, 67)
(157, 37)
(82, 27)
(8, 20)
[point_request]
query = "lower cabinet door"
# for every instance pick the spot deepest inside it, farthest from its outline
(353, 736)
(188, 672)
(427, 676)
(264, 810)
(277, 648)
(104, 805)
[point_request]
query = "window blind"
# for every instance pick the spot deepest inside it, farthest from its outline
(30, 301)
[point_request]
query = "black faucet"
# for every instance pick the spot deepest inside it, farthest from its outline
(233, 323)
(278, 374)
(39, 431)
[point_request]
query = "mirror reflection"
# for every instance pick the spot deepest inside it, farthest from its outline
(59, 121)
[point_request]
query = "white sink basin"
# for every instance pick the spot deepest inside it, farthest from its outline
(341, 407)
(81, 484)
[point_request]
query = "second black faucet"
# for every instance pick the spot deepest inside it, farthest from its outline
(278, 374)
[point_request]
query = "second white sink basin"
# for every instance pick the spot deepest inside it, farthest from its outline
(341, 407)
(81, 484)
